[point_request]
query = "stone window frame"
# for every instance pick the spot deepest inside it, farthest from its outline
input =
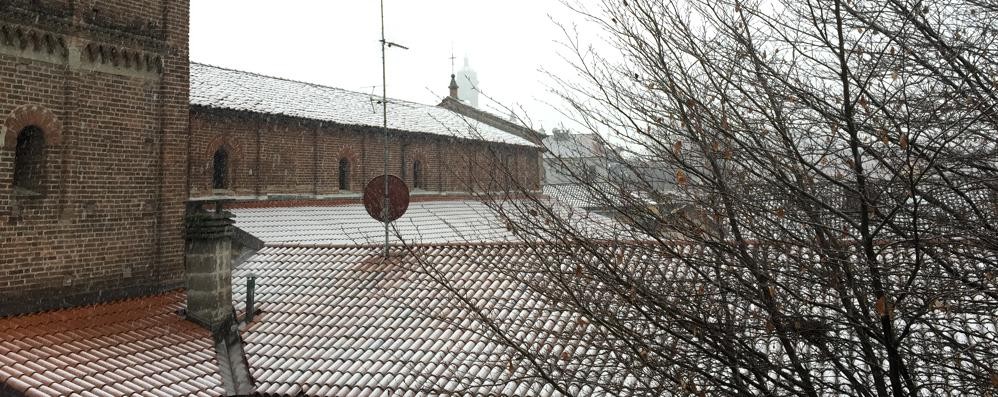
(37, 118)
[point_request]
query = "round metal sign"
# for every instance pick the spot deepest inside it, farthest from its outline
(398, 198)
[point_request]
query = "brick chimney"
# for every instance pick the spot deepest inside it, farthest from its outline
(209, 291)
(209, 265)
(453, 87)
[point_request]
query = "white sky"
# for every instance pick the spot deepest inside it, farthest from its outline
(335, 42)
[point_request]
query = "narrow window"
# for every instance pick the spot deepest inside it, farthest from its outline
(507, 162)
(29, 159)
(344, 174)
(220, 169)
(417, 174)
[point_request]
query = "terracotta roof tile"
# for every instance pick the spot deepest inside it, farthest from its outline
(119, 348)
(337, 321)
(424, 222)
(159, 392)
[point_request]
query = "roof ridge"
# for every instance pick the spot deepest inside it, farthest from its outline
(487, 113)
(313, 84)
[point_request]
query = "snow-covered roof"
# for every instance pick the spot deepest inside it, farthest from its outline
(340, 321)
(216, 87)
(424, 222)
(595, 195)
(130, 347)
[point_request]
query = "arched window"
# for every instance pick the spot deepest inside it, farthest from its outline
(344, 174)
(29, 159)
(417, 174)
(507, 170)
(220, 169)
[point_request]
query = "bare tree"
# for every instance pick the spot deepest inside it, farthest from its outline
(832, 226)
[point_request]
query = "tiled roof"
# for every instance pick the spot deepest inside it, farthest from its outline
(596, 195)
(337, 321)
(123, 348)
(519, 130)
(423, 222)
(217, 87)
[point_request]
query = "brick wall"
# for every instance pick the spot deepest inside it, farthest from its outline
(106, 81)
(282, 157)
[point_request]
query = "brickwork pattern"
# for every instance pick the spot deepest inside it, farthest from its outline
(107, 82)
(283, 156)
(109, 221)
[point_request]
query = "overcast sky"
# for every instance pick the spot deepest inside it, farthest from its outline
(335, 42)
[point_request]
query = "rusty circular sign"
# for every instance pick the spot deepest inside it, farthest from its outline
(398, 197)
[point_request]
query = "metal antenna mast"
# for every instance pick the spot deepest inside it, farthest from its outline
(384, 119)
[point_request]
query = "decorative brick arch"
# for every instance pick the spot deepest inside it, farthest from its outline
(235, 159)
(354, 183)
(428, 177)
(31, 116)
(226, 141)
(418, 154)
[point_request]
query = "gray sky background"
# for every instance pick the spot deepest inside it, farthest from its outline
(335, 43)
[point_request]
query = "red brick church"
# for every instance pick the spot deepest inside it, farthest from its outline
(111, 284)
(108, 129)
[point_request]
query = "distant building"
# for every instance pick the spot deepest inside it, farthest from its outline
(456, 105)
(467, 81)
(642, 173)
(574, 158)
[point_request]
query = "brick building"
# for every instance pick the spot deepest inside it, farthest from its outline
(113, 279)
(107, 129)
(258, 137)
(93, 120)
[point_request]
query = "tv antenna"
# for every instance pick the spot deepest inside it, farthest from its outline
(387, 215)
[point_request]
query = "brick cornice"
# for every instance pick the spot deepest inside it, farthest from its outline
(333, 202)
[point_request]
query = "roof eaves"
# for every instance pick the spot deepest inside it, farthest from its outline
(361, 127)
(495, 121)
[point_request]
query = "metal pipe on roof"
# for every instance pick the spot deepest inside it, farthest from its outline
(384, 116)
(250, 299)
